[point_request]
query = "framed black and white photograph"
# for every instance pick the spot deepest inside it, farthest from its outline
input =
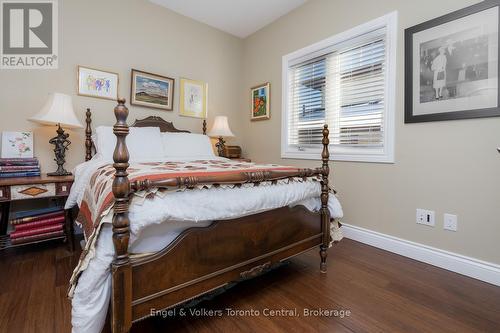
(451, 66)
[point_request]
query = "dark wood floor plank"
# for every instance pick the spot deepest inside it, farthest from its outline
(42, 297)
(384, 293)
(62, 310)
(18, 282)
(436, 289)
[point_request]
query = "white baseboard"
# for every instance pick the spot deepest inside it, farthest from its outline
(475, 268)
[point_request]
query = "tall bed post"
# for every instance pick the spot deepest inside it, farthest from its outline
(121, 300)
(325, 213)
(88, 135)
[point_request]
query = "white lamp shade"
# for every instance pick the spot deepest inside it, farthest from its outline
(58, 110)
(220, 127)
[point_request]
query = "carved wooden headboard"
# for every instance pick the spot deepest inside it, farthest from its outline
(151, 121)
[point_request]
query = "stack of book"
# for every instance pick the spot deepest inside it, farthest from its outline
(19, 167)
(35, 225)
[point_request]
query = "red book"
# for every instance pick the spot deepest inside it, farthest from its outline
(38, 231)
(18, 161)
(36, 217)
(39, 223)
(28, 239)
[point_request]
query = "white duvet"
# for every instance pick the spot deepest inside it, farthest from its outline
(155, 223)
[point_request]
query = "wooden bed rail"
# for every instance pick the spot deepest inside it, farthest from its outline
(233, 179)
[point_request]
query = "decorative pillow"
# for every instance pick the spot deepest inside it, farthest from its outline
(142, 142)
(183, 145)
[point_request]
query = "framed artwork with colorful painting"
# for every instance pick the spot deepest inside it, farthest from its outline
(260, 102)
(17, 145)
(193, 98)
(96, 83)
(152, 90)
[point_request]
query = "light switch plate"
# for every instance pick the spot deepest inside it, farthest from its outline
(450, 222)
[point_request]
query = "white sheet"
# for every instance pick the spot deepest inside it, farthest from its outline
(91, 296)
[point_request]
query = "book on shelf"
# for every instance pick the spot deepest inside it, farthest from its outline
(28, 239)
(20, 174)
(39, 217)
(39, 223)
(19, 161)
(38, 231)
(19, 168)
(10, 164)
(35, 212)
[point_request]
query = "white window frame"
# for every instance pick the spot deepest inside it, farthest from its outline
(337, 153)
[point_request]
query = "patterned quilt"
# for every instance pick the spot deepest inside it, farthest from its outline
(98, 199)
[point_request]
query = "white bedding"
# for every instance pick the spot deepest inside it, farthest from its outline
(155, 223)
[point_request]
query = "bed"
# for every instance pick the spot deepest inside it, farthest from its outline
(235, 241)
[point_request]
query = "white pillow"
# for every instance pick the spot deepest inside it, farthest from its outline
(142, 142)
(182, 145)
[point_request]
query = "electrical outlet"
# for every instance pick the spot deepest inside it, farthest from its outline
(450, 222)
(425, 217)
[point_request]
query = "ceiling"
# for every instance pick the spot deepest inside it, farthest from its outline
(237, 17)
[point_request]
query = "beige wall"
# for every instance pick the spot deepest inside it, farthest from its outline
(447, 166)
(118, 35)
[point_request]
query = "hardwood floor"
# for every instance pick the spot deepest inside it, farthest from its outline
(384, 292)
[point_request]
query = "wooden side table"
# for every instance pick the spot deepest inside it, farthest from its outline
(24, 188)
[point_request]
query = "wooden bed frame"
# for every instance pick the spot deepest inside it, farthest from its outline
(232, 249)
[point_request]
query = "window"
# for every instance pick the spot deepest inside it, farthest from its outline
(348, 82)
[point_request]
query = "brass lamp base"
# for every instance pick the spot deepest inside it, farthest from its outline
(61, 144)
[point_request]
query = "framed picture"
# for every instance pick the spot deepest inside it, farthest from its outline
(17, 145)
(193, 98)
(451, 66)
(152, 90)
(96, 83)
(260, 102)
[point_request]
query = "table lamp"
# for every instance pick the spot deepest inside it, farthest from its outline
(58, 111)
(220, 129)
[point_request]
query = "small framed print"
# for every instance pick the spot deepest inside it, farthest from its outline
(451, 65)
(193, 98)
(152, 90)
(17, 145)
(260, 102)
(96, 83)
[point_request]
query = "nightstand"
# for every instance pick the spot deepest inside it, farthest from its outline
(241, 159)
(28, 188)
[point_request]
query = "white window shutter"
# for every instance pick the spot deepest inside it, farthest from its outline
(343, 88)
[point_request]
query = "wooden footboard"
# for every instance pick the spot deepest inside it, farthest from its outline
(203, 259)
